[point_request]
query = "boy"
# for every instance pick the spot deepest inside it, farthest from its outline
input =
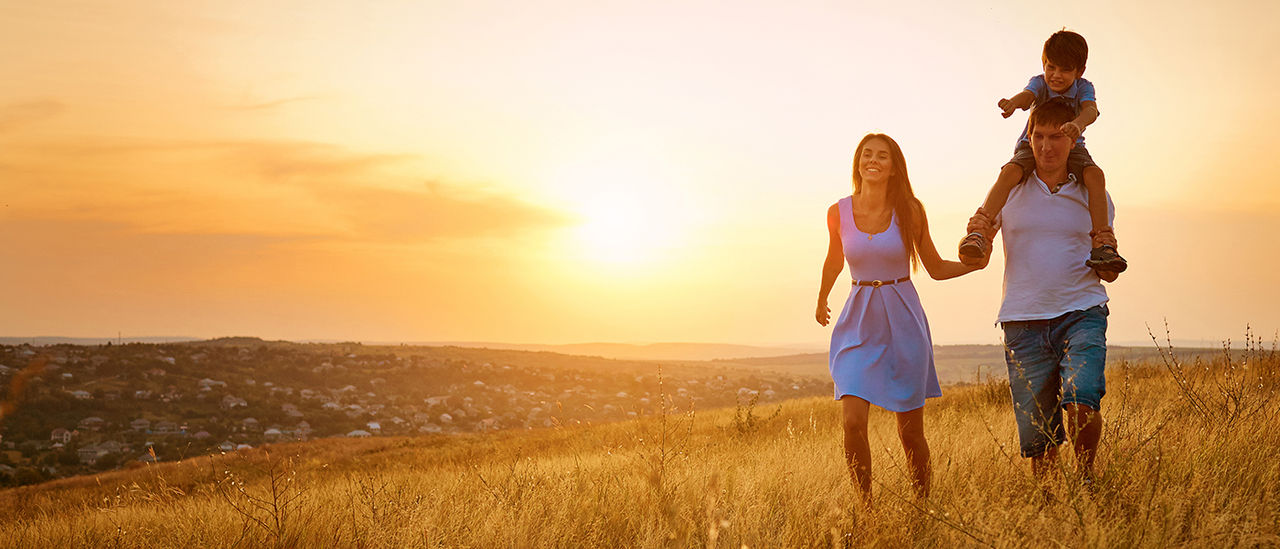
(1064, 57)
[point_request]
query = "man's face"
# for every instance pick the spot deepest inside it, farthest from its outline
(1050, 145)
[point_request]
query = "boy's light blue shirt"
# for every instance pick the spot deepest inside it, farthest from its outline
(1081, 90)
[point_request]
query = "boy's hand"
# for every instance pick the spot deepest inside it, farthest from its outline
(1007, 106)
(1072, 130)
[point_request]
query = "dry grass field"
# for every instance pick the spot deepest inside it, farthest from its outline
(1189, 458)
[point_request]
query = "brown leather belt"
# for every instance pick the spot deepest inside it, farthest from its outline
(879, 283)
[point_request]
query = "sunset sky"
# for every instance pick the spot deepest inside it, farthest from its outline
(562, 172)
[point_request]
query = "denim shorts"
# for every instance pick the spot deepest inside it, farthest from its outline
(1077, 160)
(1053, 363)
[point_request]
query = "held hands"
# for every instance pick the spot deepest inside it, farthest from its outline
(823, 315)
(1007, 106)
(980, 223)
(1072, 130)
(978, 263)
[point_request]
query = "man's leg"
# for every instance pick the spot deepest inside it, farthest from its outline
(1034, 382)
(1044, 464)
(1084, 425)
(1084, 358)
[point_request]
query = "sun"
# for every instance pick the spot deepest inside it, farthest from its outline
(624, 226)
(632, 204)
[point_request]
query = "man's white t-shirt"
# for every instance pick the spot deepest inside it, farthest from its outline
(1046, 242)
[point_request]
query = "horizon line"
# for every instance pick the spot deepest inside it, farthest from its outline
(811, 347)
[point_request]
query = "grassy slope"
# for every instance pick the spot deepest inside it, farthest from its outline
(1176, 468)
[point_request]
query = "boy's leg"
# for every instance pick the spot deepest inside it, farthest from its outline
(1011, 174)
(976, 244)
(1095, 182)
(1104, 256)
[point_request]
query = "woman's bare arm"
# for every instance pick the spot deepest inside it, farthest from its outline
(832, 266)
(938, 268)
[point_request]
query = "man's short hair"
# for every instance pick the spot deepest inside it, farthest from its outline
(1054, 112)
(1066, 49)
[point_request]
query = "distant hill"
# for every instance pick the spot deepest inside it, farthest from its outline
(954, 363)
(744, 354)
(58, 340)
(619, 351)
(651, 351)
(239, 341)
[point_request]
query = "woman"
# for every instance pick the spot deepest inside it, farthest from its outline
(881, 352)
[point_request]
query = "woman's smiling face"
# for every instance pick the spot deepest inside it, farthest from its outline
(875, 161)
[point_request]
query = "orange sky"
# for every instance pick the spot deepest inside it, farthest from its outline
(558, 172)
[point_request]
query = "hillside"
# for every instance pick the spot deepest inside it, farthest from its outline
(71, 410)
(68, 410)
(1187, 460)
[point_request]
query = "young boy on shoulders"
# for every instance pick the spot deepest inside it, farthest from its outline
(1064, 57)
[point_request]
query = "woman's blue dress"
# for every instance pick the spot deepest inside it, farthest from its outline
(880, 347)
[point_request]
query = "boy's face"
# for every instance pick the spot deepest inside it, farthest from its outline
(1059, 78)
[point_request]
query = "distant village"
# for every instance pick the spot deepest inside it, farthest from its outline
(68, 410)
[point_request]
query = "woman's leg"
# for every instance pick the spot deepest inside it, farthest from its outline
(857, 450)
(911, 431)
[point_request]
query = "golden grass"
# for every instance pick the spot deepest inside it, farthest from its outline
(1170, 474)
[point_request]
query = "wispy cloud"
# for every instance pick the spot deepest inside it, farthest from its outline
(270, 105)
(15, 115)
(269, 188)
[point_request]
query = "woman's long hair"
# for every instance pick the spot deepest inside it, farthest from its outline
(900, 196)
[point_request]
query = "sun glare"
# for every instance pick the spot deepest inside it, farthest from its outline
(634, 203)
(623, 228)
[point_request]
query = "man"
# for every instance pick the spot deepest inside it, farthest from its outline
(1054, 312)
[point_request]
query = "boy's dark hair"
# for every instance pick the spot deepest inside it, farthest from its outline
(1067, 50)
(1054, 112)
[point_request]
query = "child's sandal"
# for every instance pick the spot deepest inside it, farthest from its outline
(974, 245)
(1105, 258)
